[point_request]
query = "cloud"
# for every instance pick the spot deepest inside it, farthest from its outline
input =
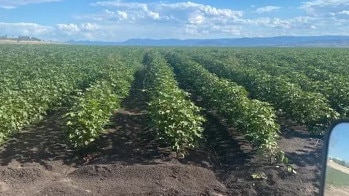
(187, 17)
(174, 12)
(30, 29)
(295, 24)
(79, 31)
(68, 28)
(132, 11)
(205, 9)
(71, 29)
(196, 19)
(122, 15)
(345, 12)
(325, 7)
(11, 4)
(267, 9)
(88, 27)
(153, 15)
(130, 5)
(330, 15)
(119, 20)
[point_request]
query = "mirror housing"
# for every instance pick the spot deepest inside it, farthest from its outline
(335, 167)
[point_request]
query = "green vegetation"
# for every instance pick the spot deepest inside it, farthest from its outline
(253, 118)
(93, 108)
(245, 88)
(35, 80)
(176, 118)
(309, 108)
(314, 70)
(336, 178)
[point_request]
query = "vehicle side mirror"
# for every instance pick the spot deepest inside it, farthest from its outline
(335, 171)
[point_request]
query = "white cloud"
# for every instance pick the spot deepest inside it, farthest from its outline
(72, 29)
(122, 15)
(169, 11)
(132, 11)
(79, 31)
(216, 31)
(89, 26)
(153, 15)
(68, 28)
(105, 15)
(29, 29)
(331, 16)
(206, 9)
(345, 12)
(11, 4)
(267, 9)
(325, 7)
(296, 24)
(119, 20)
(130, 5)
(122, 20)
(196, 19)
(188, 17)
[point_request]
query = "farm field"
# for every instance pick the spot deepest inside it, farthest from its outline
(337, 178)
(93, 120)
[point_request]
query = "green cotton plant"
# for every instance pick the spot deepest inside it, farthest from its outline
(177, 120)
(90, 113)
(255, 120)
(309, 108)
(92, 108)
(279, 64)
(47, 76)
(88, 116)
(33, 84)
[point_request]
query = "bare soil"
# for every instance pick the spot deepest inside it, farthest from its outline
(128, 160)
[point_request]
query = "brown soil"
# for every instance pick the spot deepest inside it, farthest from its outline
(128, 160)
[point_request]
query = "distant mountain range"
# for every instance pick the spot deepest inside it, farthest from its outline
(282, 41)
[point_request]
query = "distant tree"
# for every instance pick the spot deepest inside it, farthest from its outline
(35, 39)
(340, 162)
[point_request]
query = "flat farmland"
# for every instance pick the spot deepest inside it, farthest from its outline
(93, 120)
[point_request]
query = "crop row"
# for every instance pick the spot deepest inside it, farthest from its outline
(39, 79)
(92, 109)
(32, 88)
(175, 117)
(333, 86)
(252, 118)
(305, 107)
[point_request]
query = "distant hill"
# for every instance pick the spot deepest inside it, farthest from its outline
(282, 41)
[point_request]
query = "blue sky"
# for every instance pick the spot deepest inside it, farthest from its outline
(119, 20)
(339, 142)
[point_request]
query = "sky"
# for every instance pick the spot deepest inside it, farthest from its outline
(339, 142)
(119, 20)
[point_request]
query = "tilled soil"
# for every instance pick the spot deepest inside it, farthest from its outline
(128, 160)
(111, 179)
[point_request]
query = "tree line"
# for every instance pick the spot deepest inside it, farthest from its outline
(20, 38)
